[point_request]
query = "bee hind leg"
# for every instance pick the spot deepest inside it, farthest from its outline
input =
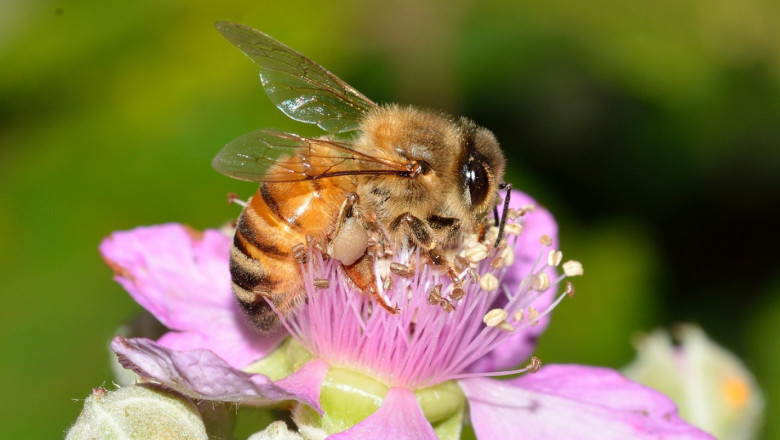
(361, 273)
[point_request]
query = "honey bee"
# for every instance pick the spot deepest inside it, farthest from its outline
(406, 175)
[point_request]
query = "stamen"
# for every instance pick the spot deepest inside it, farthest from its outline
(505, 326)
(477, 253)
(533, 315)
(513, 229)
(554, 258)
(434, 297)
(300, 254)
(401, 269)
(488, 282)
(508, 254)
(233, 198)
(457, 294)
(545, 240)
(572, 268)
(569, 289)
(541, 282)
(495, 317)
(534, 365)
(321, 283)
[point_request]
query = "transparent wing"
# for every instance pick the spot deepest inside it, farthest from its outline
(272, 156)
(299, 87)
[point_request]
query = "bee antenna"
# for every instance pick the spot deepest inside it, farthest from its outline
(502, 225)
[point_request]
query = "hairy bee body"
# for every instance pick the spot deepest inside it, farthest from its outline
(405, 175)
(276, 219)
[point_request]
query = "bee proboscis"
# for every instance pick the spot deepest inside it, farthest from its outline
(382, 176)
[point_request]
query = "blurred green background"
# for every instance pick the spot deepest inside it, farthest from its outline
(651, 130)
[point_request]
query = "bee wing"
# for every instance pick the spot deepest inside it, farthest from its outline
(299, 87)
(272, 156)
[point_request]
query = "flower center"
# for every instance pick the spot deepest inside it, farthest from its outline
(442, 327)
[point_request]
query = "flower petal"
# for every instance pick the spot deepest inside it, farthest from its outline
(399, 418)
(536, 223)
(573, 402)
(182, 278)
(203, 375)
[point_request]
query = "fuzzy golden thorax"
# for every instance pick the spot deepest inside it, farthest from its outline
(462, 166)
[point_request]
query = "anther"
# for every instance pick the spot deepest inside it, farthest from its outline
(569, 289)
(541, 282)
(321, 283)
(401, 270)
(572, 268)
(460, 263)
(446, 306)
(554, 258)
(518, 316)
(434, 297)
(495, 317)
(508, 254)
(533, 315)
(457, 294)
(387, 284)
(497, 263)
(505, 326)
(454, 276)
(300, 254)
(477, 253)
(545, 240)
(233, 198)
(513, 228)
(473, 275)
(534, 365)
(488, 282)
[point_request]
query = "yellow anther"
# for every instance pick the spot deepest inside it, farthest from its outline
(572, 268)
(495, 317)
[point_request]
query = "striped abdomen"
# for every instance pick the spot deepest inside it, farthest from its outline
(276, 219)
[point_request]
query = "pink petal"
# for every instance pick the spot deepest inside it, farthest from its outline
(573, 402)
(203, 375)
(519, 347)
(399, 418)
(182, 278)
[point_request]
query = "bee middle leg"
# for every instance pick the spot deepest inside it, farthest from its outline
(424, 234)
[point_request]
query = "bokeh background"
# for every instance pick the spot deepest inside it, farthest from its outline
(650, 129)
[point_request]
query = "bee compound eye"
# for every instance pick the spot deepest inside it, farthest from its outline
(477, 179)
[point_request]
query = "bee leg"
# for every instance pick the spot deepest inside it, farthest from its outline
(361, 273)
(422, 234)
(349, 239)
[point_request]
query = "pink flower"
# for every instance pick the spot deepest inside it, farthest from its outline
(423, 364)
